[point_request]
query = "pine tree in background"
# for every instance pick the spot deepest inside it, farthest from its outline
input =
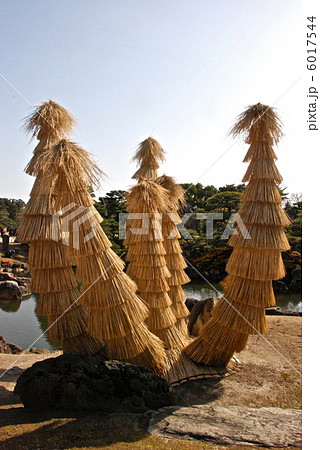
(52, 274)
(174, 259)
(254, 262)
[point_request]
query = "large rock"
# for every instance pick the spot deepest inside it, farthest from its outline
(7, 347)
(74, 381)
(232, 425)
(200, 314)
(12, 287)
(9, 290)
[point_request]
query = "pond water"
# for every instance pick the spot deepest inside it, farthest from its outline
(201, 290)
(20, 324)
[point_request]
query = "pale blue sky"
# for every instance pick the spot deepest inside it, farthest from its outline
(178, 70)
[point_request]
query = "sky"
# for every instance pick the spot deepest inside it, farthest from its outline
(177, 70)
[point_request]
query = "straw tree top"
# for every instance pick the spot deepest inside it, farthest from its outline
(49, 122)
(258, 122)
(148, 156)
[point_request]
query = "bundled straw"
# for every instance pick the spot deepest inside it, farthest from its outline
(52, 274)
(254, 262)
(49, 122)
(148, 156)
(149, 268)
(174, 259)
(115, 313)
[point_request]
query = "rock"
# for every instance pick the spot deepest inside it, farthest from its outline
(7, 347)
(232, 425)
(296, 279)
(12, 287)
(200, 314)
(190, 302)
(14, 371)
(74, 381)
(9, 290)
(279, 287)
(6, 276)
(277, 311)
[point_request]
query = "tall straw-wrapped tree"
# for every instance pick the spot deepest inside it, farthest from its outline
(256, 259)
(174, 259)
(52, 274)
(148, 157)
(116, 313)
(147, 200)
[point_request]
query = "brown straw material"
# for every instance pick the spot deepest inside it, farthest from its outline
(149, 261)
(148, 156)
(255, 262)
(174, 259)
(115, 313)
(49, 122)
(52, 274)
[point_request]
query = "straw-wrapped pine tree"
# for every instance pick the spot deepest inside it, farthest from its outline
(174, 259)
(116, 313)
(254, 261)
(146, 246)
(52, 274)
(148, 156)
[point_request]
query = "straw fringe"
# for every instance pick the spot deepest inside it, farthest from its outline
(116, 291)
(182, 327)
(157, 299)
(263, 237)
(83, 343)
(116, 322)
(47, 255)
(262, 191)
(258, 213)
(251, 292)
(99, 244)
(52, 280)
(175, 261)
(159, 319)
(262, 169)
(70, 325)
(40, 205)
(149, 248)
(256, 264)
(260, 150)
(156, 285)
(51, 303)
(178, 277)
(172, 338)
(144, 272)
(177, 294)
(180, 310)
(218, 351)
(103, 265)
(248, 319)
(37, 228)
